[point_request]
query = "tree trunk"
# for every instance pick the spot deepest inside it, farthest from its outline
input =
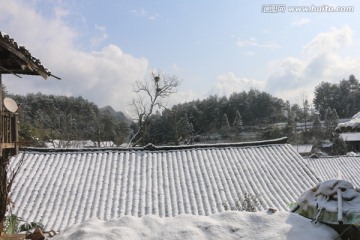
(4, 194)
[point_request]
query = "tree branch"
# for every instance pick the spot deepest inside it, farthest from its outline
(149, 95)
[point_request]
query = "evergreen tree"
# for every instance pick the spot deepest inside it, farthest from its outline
(290, 128)
(305, 116)
(317, 131)
(185, 129)
(339, 146)
(48, 117)
(344, 97)
(238, 123)
(331, 121)
(271, 132)
(225, 126)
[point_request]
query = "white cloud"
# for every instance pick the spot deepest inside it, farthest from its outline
(143, 13)
(252, 42)
(321, 60)
(182, 97)
(100, 37)
(329, 42)
(104, 77)
(248, 53)
(245, 43)
(229, 83)
(301, 21)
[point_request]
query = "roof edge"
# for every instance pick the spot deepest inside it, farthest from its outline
(151, 147)
(32, 63)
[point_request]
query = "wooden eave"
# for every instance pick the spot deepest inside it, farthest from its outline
(16, 59)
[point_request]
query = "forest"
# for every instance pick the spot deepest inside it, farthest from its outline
(48, 117)
(243, 116)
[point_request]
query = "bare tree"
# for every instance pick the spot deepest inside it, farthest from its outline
(150, 96)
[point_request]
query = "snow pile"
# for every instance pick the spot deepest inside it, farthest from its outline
(325, 196)
(227, 225)
(351, 125)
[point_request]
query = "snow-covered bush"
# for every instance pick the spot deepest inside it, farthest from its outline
(248, 203)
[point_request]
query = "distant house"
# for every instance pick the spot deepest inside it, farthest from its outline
(352, 140)
(69, 144)
(326, 146)
(350, 132)
(105, 144)
(64, 187)
(304, 149)
(353, 125)
(79, 144)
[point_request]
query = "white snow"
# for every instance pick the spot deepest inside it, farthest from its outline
(325, 195)
(329, 167)
(60, 188)
(227, 225)
(350, 137)
(354, 123)
(305, 148)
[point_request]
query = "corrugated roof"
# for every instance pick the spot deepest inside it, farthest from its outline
(62, 188)
(346, 167)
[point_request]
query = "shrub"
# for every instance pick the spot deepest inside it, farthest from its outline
(249, 203)
(15, 224)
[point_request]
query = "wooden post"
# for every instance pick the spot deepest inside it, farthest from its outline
(1, 117)
(4, 194)
(340, 208)
(3, 177)
(1, 93)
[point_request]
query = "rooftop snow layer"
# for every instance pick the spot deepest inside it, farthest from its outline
(352, 125)
(62, 188)
(343, 167)
(350, 137)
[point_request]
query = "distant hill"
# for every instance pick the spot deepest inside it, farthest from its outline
(120, 116)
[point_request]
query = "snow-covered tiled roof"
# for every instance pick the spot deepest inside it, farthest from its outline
(105, 144)
(350, 137)
(305, 148)
(69, 143)
(344, 167)
(62, 188)
(349, 126)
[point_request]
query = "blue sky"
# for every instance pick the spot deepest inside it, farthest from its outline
(99, 48)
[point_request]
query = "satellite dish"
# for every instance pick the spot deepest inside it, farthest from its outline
(10, 105)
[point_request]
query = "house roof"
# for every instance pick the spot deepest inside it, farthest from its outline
(353, 125)
(302, 149)
(66, 144)
(16, 59)
(62, 188)
(344, 167)
(55, 143)
(350, 137)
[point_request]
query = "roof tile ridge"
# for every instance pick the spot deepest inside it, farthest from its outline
(151, 147)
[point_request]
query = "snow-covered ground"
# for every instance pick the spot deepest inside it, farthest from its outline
(226, 225)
